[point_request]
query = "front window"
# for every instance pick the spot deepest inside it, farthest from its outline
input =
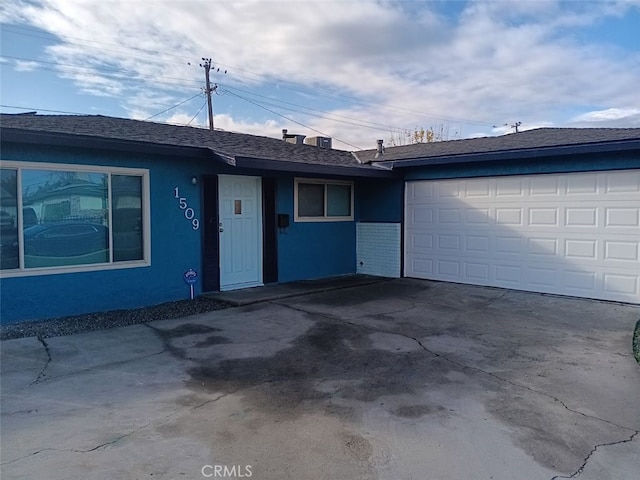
(323, 200)
(66, 216)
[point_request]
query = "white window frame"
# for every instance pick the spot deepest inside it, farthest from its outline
(325, 217)
(108, 170)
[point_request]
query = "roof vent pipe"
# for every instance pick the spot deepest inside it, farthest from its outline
(284, 134)
(380, 151)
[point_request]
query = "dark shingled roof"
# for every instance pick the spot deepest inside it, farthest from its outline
(530, 143)
(234, 148)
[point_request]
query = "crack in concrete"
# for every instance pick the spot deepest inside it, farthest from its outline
(515, 384)
(30, 455)
(501, 379)
(213, 400)
(42, 373)
(116, 440)
(103, 368)
(460, 364)
(593, 451)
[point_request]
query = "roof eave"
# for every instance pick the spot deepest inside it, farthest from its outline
(311, 168)
(538, 152)
(33, 137)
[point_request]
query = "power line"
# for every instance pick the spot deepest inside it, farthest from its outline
(108, 72)
(171, 108)
(293, 86)
(327, 115)
(41, 110)
(197, 113)
(37, 110)
(294, 121)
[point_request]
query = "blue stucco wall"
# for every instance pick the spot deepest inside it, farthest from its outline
(175, 246)
(565, 164)
(379, 200)
(308, 250)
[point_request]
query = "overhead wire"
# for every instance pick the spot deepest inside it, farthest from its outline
(295, 121)
(197, 113)
(327, 115)
(40, 109)
(108, 72)
(293, 85)
(174, 106)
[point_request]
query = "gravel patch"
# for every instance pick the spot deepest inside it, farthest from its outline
(115, 318)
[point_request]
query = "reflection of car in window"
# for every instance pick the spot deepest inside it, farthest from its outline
(65, 239)
(7, 222)
(29, 217)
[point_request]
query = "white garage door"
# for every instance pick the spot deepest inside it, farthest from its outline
(571, 234)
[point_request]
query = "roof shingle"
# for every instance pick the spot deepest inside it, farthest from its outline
(541, 138)
(224, 144)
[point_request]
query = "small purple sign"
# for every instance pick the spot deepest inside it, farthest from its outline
(191, 276)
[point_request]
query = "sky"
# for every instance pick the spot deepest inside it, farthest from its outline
(353, 70)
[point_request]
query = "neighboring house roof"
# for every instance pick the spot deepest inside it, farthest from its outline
(241, 150)
(541, 142)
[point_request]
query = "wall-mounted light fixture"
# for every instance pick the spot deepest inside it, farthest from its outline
(194, 180)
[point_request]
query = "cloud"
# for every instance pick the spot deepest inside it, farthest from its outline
(629, 117)
(392, 63)
(24, 66)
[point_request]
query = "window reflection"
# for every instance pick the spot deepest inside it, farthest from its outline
(9, 258)
(65, 218)
(126, 198)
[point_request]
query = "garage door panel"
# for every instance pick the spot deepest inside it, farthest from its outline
(477, 244)
(450, 189)
(420, 267)
(449, 242)
(476, 271)
(508, 245)
(422, 241)
(543, 216)
(508, 275)
(579, 281)
(622, 183)
(422, 215)
(620, 284)
(621, 251)
(542, 278)
(509, 187)
(544, 186)
(574, 234)
(477, 216)
(622, 217)
(449, 216)
(582, 184)
(480, 189)
(542, 247)
(581, 249)
(509, 216)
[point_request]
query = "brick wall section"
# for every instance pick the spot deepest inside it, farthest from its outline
(378, 249)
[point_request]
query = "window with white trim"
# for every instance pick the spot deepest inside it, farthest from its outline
(56, 218)
(323, 200)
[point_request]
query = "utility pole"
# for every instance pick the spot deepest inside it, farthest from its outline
(515, 126)
(207, 89)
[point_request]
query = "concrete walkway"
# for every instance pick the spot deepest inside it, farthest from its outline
(400, 379)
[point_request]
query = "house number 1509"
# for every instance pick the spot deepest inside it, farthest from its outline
(189, 213)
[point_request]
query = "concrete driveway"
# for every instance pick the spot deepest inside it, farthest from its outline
(400, 379)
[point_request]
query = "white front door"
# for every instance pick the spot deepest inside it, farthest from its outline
(240, 205)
